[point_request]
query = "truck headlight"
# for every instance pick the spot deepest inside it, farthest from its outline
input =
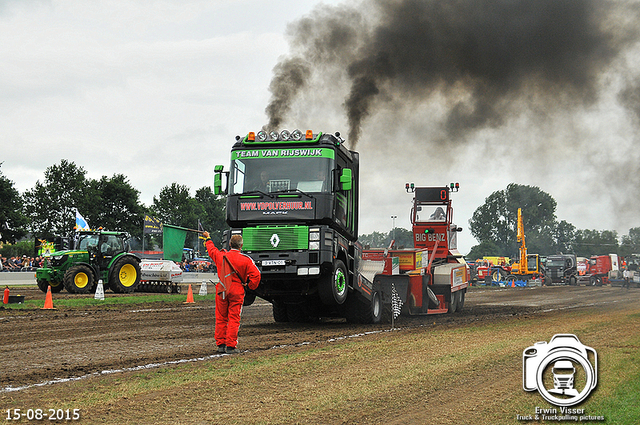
(314, 245)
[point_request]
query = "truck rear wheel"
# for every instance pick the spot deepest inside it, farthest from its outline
(79, 280)
(124, 276)
(362, 310)
(333, 288)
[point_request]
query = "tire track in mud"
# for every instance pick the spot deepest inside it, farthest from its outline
(43, 349)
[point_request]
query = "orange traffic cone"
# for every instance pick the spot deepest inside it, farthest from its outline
(513, 284)
(48, 301)
(189, 296)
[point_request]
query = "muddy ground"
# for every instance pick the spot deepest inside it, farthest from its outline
(41, 345)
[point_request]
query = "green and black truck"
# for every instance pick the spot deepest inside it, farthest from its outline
(293, 196)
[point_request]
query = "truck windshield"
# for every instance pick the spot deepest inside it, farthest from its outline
(430, 213)
(555, 262)
(281, 175)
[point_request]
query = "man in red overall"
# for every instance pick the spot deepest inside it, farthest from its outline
(235, 271)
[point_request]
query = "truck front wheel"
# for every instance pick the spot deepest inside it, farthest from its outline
(124, 276)
(79, 280)
(333, 288)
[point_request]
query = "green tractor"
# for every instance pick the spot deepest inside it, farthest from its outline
(97, 255)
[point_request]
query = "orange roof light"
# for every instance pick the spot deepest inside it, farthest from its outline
(251, 137)
(309, 135)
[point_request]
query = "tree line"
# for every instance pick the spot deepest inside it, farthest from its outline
(494, 225)
(48, 209)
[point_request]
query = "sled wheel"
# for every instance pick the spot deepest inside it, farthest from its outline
(333, 288)
(124, 276)
(453, 304)
(79, 280)
(461, 296)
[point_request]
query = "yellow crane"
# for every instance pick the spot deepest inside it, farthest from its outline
(528, 265)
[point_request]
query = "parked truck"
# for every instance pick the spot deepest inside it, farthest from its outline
(600, 268)
(562, 269)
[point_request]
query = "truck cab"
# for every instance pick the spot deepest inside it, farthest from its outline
(293, 197)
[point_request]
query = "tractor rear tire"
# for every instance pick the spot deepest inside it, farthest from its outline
(124, 276)
(333, 288)
(79, 280)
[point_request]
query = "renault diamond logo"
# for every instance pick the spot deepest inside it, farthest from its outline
(275, 240)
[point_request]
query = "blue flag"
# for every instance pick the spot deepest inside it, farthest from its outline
(81, 223)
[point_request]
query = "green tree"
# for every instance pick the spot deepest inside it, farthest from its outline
(214, 219)
(117, 205)
(630, 243)
(595, 242)
(496, 219)
(12, 220)
(485, 248)
(175, 206)
(52, 203)
(403, 238)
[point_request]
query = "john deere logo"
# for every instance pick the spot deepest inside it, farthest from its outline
(275, 240)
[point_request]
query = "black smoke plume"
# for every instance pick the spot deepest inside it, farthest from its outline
(482, 55)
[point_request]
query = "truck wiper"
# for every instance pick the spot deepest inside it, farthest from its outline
(293, 190)
(251, 192)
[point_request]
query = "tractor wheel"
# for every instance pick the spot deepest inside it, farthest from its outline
(55, 286)
(333, 288)
(79, 280)
(124, 276)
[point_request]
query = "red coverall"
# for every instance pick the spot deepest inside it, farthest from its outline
(229, 308)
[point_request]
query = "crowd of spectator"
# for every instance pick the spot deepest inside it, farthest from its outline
(197, 266)
(19, 264)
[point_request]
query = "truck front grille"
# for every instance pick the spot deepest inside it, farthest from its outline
(276, 238)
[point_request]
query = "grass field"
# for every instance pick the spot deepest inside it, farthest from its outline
(470, 374)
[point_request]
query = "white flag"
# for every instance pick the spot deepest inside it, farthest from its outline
(81, 223)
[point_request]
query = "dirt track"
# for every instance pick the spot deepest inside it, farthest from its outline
(39, 346)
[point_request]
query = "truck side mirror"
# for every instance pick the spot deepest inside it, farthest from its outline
(346, 179)
(217, 181)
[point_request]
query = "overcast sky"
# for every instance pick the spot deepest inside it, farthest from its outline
(158, 90)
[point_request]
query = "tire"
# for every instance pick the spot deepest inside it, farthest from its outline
(461, 296)
(362, 310)
(79, 280)
(297, 313)
(124, 276)
(573, 281)
(333, 288)
(55, 286)
(279, 312)
(509, 280)
(249, 298)
(453, 304)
